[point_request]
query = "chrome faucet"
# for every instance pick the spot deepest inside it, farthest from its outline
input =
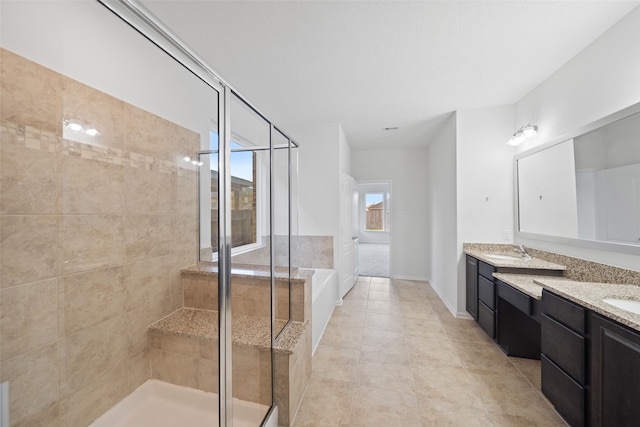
(522, 251)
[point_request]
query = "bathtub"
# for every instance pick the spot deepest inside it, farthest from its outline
(323, 301)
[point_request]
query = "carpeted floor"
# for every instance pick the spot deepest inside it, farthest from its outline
(373, 259)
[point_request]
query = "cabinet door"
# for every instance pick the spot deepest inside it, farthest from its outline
(472, 287)
(615, 373)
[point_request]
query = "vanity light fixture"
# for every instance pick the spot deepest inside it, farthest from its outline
(526, 131)
(529, 130)
(516, 139)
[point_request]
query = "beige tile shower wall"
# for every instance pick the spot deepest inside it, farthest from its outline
(251, 296)
(93, 232)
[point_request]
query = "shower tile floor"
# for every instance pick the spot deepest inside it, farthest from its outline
(393, 355)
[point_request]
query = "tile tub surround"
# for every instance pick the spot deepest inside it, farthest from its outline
(250, 291)
(184, 351)
(92, 239)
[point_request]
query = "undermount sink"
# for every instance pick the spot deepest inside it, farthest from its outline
(624, 304)
(505, 257)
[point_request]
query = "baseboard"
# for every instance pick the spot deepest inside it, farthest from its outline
(464, 315)
(416, 278)
(453, 311)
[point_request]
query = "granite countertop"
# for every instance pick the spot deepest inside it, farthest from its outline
(532, 263)
(587, 293)
(590, 295)
(251, 331)
(524, 282)
(248, 271)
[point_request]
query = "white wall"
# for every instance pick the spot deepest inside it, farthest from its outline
(600, 80)
(442, 254)
(485, 173)
(407, 171)
(470, 190)
(318, 179)
(345, 151)
(319, 182)
(484, 182)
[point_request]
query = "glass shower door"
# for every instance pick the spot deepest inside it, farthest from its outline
(251, 289)
(100, 130)
(235, 208)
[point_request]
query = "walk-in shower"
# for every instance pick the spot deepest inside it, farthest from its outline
(146, 215)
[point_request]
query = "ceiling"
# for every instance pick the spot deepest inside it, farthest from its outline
(374, 64)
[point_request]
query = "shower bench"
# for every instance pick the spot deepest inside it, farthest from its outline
(184, 345)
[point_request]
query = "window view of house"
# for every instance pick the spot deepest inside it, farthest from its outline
(375, 208)
(243, 196)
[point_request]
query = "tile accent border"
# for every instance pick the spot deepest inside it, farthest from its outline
(42, 140)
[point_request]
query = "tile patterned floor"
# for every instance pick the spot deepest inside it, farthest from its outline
(393, 355)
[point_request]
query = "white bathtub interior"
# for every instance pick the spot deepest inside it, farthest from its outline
(323, 285)
(160, 404)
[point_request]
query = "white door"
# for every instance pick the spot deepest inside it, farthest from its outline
(348, 235)
(354, 229)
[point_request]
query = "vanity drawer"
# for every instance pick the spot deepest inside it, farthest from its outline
(567, 396)
(565, 347)
(486, 270)
(518, 299)
(487, 319)
(564, 311)
(486, 292)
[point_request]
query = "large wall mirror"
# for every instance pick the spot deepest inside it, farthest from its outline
(584, 188)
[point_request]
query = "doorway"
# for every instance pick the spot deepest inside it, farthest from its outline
(374, 229)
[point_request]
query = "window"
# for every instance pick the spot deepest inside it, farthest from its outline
(244, 197)
(375, 212)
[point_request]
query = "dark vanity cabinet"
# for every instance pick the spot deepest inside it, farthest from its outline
(481, 298)
(519, 325)
(487, 299)
(472, 287)
(564, 357)
(590, 365)
(615, 373)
